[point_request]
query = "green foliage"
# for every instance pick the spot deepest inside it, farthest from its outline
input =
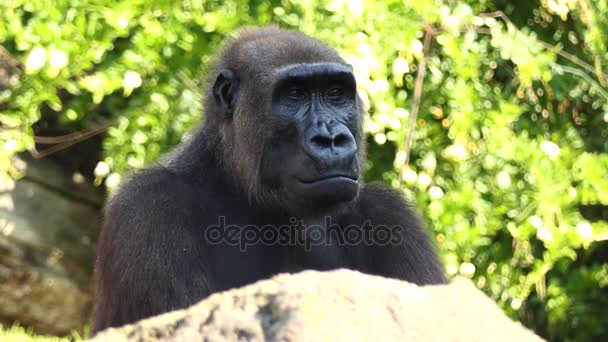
(20, 334)
(510, 159)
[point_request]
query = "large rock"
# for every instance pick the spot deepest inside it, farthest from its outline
(48, 224)
(333, 306)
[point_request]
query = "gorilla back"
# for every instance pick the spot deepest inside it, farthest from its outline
(270, 183)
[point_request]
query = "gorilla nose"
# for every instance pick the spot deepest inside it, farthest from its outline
(331, 146)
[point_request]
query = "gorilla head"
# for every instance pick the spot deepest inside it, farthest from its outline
(282, 98)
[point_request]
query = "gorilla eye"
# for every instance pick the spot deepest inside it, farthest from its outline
(335, 93)
(296, 93)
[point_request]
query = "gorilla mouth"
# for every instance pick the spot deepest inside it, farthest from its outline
(329, 179)
(333, 188)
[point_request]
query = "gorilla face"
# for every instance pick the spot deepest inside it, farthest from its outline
(294, 134)
(316, 118)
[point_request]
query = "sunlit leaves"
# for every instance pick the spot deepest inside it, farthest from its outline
(531, 59)
(35, 60)
(130, 81)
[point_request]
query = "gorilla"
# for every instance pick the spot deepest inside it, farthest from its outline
(269, 184)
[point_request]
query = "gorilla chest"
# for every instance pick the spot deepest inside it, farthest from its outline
(237, 264)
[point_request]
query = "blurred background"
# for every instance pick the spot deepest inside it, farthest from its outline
(506, 103)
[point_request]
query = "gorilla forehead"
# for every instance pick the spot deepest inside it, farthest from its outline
(259, 53)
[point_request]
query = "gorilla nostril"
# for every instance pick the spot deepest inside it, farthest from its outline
(327, 142)
(322, 141)
(340, 140)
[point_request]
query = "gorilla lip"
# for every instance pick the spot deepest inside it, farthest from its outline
(329, 189)
(329, 178)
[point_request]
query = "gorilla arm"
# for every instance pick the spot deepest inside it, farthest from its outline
(413, 257)
(149, 253)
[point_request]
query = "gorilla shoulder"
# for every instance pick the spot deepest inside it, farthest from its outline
(412, 256)
(384, 205)
(147, 194)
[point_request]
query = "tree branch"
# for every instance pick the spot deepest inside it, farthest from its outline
(61, 143)
(557, 50)
(428, 37)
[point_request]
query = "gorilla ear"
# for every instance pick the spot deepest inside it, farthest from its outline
(224, 92)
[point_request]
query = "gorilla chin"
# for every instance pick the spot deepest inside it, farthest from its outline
(331, 189)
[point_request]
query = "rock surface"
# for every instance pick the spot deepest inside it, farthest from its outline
(333, 306)
(48, 226)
